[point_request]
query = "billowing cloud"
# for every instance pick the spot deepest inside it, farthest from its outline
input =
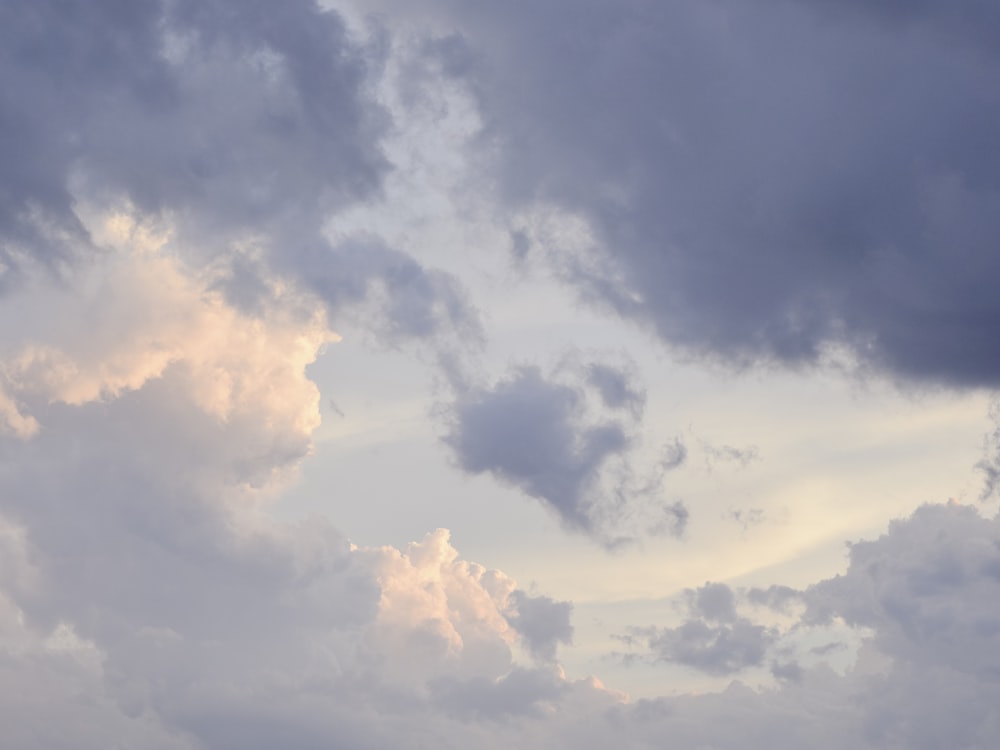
(924, 589)
(146, 597)
(541, 435)
(242, 125)
(923, 598)
(781, 182)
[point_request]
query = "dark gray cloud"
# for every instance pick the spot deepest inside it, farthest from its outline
(539, 435)
(714, 601)
(713, 639)
(617, 388)
(542, 622)
(763, 182)
(226, 112)
(529, 431)
(721, 648)
(989, 464)
(241, 124)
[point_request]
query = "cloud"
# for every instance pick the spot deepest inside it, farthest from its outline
(182, 107)
(617, 389)
(920, 587)
(715, 649)
(541, 621)
(140, 604)
(540, 435)
(752, 190)
(989, 464)
(242, 127)
(713, 639)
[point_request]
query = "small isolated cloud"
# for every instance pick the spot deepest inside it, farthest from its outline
(788, 670)
(542, 622)
(746, 517)
(728, 454)
(543, 436)
(713, 639)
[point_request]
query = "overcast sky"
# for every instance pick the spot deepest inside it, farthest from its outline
(538, 374)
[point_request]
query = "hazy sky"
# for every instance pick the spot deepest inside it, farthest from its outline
(449, 374)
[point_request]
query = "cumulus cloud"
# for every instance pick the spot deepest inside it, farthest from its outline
(742, 457)
(989, 464)
(921, 588)
(140, 604)
(923, 598)
(753, 190)
(542, 436)
(145, 597)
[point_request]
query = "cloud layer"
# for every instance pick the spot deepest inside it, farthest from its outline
(778, 183)
(548, 437)
(244, 126)
(781, 182)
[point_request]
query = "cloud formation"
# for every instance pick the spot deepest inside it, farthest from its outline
(243, 126)
(782, 183)
(171, 266)
(541, 621)
(543, 436)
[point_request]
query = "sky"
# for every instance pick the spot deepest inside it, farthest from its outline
(447, 374)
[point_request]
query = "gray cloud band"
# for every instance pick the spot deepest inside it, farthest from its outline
(765, 182)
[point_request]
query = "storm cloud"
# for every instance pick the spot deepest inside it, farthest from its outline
(789, 182)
